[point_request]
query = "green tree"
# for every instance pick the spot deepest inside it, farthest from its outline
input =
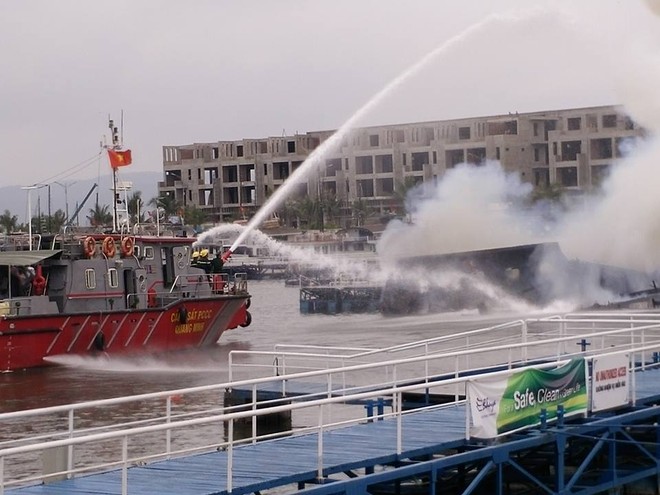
(135, 205)
(8, 222)
(194, 216)
(401, 195)
(330, 209)
(360, 211)
(100, 215)
(54, 222)
(167, 202)
(554, 193)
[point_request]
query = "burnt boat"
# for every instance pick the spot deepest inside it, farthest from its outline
(538, 274)
(109, 293)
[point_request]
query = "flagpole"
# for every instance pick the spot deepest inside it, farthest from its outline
(115, 146)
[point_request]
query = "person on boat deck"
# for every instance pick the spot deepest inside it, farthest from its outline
(4, 283)
(21, 280)
(217, 264)
(204, 263)
(195, 258)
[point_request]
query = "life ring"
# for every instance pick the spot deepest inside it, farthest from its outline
(248, 319)
(89, 246)
(109, 248)
(127, 245)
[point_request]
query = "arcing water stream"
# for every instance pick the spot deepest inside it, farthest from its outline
(317, 155)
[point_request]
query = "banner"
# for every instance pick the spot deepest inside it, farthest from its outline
(609, 382)
(504, 404)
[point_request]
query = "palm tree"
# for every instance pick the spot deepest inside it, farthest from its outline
(55, 221)
(401, 192)
(135, 204)
(169, 205)
(194, 216)
(360, 211)
(99, 215)
(8, 222)
(554, 193)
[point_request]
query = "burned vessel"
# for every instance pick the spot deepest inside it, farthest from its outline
(538, 274)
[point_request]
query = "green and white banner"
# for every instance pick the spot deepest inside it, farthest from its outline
(504, 404)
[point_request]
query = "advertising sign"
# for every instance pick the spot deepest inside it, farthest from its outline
(610, 382)
(504, 404)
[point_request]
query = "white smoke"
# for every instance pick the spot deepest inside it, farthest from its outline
(471, 208)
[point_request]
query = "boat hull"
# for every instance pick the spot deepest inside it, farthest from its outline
(28, 341)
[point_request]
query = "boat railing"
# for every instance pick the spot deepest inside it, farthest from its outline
(176, 416)
(16, 306)
(217, 283)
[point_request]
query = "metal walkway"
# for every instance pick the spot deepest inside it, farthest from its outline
(428, 450)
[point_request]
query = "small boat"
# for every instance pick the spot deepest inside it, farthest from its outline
(123, 291)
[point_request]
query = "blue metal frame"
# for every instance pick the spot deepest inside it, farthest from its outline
(605, 439)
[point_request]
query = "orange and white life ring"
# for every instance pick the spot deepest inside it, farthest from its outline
(89, 246)
(109, 248)
(127, 245)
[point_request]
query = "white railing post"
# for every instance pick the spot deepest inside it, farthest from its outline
(69, 449)
(319, 447)
(230, 456)
(124, 467)
(399, 423)
(524, 339)
(230, 376)
(254, 413)
(168, 432)
(468, 412)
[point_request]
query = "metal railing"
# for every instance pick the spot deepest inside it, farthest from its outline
(166, 414)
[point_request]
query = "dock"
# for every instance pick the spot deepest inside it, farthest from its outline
(340, 298)
(603, 438)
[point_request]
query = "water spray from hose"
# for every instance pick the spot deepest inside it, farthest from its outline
(315, 157)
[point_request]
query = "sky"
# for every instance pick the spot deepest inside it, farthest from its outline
(209, 70)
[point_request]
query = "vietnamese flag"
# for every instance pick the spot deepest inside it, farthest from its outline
(119, 158)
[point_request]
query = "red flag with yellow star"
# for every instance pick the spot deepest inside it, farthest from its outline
(119, 158)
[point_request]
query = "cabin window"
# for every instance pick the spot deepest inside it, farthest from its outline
(149, 252)
(113, 278)
(90, 278)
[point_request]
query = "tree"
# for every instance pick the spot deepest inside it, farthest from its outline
(554, 193)
(167, 202)
(194, 216)
(360, 211)
(401, 195)
(135, 205)
(330, 208)
(8, 222)
(99, 215)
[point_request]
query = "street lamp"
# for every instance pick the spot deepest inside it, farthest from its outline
(29, 189)
(66, 197)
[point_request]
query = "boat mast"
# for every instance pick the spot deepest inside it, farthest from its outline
(116, 144)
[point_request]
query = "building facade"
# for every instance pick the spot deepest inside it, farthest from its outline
(229, 180)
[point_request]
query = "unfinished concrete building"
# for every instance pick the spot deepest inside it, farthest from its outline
(229, 180)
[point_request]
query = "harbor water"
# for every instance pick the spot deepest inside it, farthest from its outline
(276, 319)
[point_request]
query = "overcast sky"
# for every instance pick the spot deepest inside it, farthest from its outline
(209, 70)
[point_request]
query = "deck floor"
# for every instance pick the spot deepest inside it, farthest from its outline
(283, 461)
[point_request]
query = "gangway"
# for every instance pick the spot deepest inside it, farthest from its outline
(174, 445)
